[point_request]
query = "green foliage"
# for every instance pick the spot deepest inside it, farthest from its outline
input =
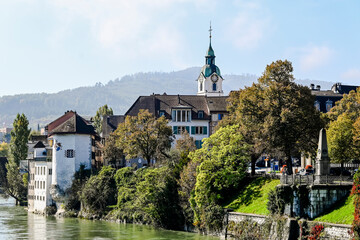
(253, 197)
(98, 118)
(223, 162)
(19, 138)
(4, 149)
(355, 192)
(148, 196)
(278, 198)
(248, 229)
(99, 192)
(144, 135)
(340, 139)
(74, 192)
(111, 152)
(16, 185)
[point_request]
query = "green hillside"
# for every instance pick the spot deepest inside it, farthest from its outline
(254, 197)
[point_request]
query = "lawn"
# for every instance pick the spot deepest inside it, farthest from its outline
(342, 213)
(253, 197)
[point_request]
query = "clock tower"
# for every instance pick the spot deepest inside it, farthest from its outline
(210, 80)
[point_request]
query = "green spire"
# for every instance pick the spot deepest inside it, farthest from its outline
(210, 51)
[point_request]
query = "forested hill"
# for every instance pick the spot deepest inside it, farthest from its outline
(42, 108)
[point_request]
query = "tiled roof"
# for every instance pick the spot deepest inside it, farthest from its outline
(70, 123)
(165, 103)
(110, 123)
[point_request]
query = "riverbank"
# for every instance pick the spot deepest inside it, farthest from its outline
(16, 223)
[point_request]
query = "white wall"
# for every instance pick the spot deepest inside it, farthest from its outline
(198, 123)
(42, 196)
(63, 167)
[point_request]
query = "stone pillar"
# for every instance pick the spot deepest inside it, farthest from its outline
(322, 157)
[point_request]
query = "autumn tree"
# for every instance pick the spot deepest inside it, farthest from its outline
(98, 118)
(276, 115)
(349, 105)
(17, 184)
(111, 151)
(340, 137)
(144, 136)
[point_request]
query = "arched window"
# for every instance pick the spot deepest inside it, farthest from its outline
(201, 86)
(329, 105)
(214, 86)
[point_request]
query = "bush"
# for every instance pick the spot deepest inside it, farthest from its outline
(148, 196)
(99, 192)
(278, 198)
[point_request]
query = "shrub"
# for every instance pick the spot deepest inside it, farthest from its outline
(99, 192)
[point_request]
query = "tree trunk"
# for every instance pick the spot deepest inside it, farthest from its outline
(253, 162)
(289, 164)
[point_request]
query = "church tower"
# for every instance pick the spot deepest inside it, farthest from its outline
(210, 79)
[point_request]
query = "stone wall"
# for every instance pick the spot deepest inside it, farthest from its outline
(290, 227)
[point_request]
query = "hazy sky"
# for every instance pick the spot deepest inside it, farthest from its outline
(51, 45)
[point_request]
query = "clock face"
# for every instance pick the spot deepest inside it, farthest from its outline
(214, 77)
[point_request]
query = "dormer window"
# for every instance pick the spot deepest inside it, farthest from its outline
(201, 114)
(161, 113)
(181, 115)
(317, 105)
(329, 105)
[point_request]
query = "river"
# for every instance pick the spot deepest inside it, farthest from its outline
(17, 223)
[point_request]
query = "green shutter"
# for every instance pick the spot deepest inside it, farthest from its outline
(187, 129)
(205, 130)
(197, 144)
(173, 115)
(193, 130)
(175, 130)
(201, 142)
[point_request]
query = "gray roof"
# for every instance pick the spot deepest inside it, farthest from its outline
(110, 123)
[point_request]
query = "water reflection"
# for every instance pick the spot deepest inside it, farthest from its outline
(16, 223)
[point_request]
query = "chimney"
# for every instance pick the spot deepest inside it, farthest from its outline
(312, 86)
(318, 87)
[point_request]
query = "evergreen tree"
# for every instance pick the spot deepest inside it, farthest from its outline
(98, 119)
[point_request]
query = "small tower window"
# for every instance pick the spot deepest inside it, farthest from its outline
(214, 87)
(201, 86)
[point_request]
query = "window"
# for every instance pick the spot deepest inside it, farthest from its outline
(181, 115)
(180, 129)
(201, 114)
(329, 105)
(201, 86)
(50, 171)
(214, 86)
(220, 116)
(162, 113)
(202, 130)
(317, 105)
(198, 144)
(69, 153)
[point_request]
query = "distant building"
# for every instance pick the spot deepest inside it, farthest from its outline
(5, 134)
(326, 99)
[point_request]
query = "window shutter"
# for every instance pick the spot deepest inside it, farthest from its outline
(187, 129)
(205, 130)
(197, 144)
(189, 119)
(173, 115)
(193, 130)
(175, 130)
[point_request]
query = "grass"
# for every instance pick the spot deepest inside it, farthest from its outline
(341, 213)
(253, 198)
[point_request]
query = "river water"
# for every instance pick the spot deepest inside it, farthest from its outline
(17, 223)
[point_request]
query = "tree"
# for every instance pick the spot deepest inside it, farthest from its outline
(340, 137)
(4, 149)
(185, 143)
(16, 186)
(111, 152)
(98, 118)
(223, 162)
(144, 136)
(19, 138)
(349, 104)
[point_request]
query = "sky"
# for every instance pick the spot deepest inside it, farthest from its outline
(52, 45)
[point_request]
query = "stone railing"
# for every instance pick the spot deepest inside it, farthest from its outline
(315, 180)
